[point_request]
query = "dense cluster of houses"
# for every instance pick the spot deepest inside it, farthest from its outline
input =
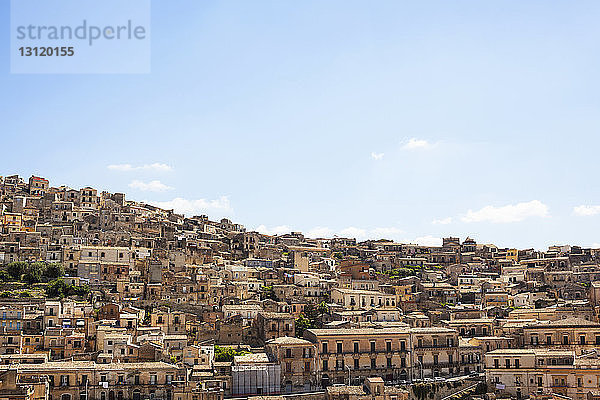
(184, 308)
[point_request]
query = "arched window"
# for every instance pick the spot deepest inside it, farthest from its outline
(65, 396)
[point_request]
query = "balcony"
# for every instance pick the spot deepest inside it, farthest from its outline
(436, 347)
(366, 352)
(439, 365)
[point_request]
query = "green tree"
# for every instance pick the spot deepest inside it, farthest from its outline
(268, 293)
(302, 324)
(312, 317)
(53, 271)
(5, 276)
(226, 353)
(16, 270)
(56, 288)
(59, 289)
(33, 272)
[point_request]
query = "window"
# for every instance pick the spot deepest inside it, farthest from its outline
(372, 346)
(356, 363)
(496, 363)
(565, 339)
(356, 347)
(153, 379)
(517, 363)
(548, 339)
(402, 345)
(534, 340)
(435, 359)
(325, 351)
(507, 363)
(388, 346)
(582, 339)
(288, 353)
(325, 365)
(373, 363)
(307, 352)
(389, 362)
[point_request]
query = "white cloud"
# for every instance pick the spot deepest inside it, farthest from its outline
(428, 241)
(586, 211)
(595, 246)
(377, 156)
(189, 207)
(355, 232)
(386, 233)
(319, 232)
(276, 230)
(442, 221)
(415, 143)
(152, 186)
(361, 234)
(146, 167)
(509, 213)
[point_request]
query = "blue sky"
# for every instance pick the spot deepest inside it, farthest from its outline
(406, 120)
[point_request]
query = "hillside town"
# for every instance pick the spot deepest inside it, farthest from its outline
(106, 298)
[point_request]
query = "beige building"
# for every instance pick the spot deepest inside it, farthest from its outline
(435, 352)
(523, 372)
(83, 380)
(352, 354)
(575, 334)
(298, 363)
(362, 299)
(170, 322)
(373, 389)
